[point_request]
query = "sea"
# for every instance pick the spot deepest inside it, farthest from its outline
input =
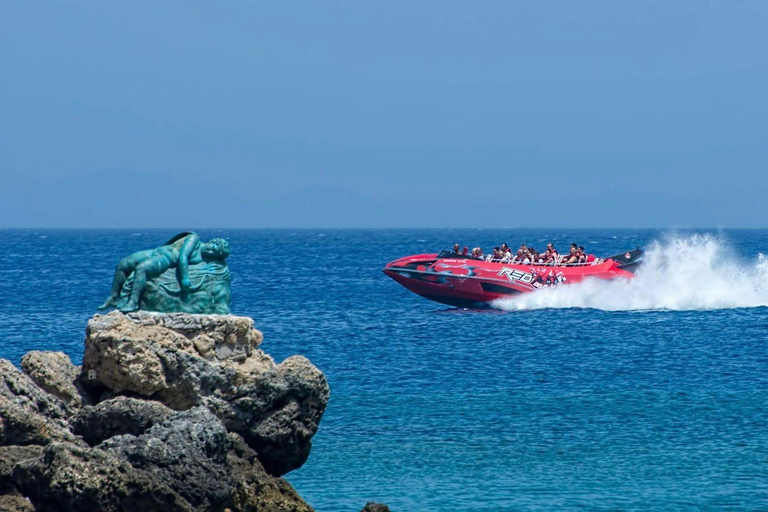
(649, 394)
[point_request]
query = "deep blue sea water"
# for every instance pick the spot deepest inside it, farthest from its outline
(650, 395)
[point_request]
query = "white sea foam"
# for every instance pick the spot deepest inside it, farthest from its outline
(698, 272)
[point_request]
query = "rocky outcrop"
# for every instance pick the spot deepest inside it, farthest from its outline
(29, 415)
(54, 373)
(118, 416)
(185, 360)
(11, 500)
(169, 412)
(375, 507)
(70, 477)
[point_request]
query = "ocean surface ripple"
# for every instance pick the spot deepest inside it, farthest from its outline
(641, 395)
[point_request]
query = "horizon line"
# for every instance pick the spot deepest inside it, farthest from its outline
(349, 228)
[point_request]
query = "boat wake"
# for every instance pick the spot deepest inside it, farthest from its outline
(698, 272)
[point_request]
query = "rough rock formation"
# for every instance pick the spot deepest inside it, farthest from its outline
(118, 416)
(375, 507)
(170, 412)
(186, 360)
(29, 415)
(55, 373)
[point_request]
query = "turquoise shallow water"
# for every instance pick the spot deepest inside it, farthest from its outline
(650, 396)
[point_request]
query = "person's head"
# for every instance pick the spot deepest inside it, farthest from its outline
(496, 250)
(216, 249)
(573, 249)
(550, 247)
(523, 247)
(574, 246)
(456, 248)
(581, 249)
(504, 247)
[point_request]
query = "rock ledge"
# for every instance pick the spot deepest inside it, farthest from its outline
(162, 400)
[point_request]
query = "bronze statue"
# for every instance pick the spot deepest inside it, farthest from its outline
(178, 254)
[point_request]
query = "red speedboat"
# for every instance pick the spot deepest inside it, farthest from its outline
(466, 282)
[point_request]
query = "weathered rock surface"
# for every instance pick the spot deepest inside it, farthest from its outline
(169, 413)
(70, 477)
(118, 416)
(55, 374)
(29, 415)
(12, 501)
(188, 360)
(375, 507)
(191, 446)
(256, 491)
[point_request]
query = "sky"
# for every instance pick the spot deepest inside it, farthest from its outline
(384, 114)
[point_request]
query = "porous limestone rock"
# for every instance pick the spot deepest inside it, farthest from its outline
(188, 462)
(187, 360)
(55, 373)
(190, 446)
(375, 507)
(29, 415)
(11, 500)
(253, 490)
(118, 416)
(169, 413)
(74, 478)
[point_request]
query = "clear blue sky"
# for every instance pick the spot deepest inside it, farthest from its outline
(384, 114)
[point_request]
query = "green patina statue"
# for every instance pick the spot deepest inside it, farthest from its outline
(182, 275)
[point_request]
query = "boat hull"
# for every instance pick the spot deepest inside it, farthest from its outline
(468, 283)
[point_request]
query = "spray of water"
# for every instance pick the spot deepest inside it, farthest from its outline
(678, 273)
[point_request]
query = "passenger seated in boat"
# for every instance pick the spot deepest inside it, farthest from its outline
(477, 253)
(573, 256)
(522, 256)
(465, 251)
(535, 257)
(551, 257)
(496, 256)
(456, 248)
(506, 254)
(581, 254)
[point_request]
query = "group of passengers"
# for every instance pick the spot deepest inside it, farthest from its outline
(529, 255)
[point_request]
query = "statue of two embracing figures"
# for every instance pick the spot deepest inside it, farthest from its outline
(184, 274)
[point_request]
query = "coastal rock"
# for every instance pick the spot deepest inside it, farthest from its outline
(253, 489)
(375, 507)
(187, 360)
(55, 373)
(73, 478)
(168, 413)
(190, 446)
(118, 416)
(188, 462)
(29, 415)
(278, 412)
(12, 455)
(11, 500)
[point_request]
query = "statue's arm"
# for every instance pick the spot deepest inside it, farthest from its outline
(191, 243)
